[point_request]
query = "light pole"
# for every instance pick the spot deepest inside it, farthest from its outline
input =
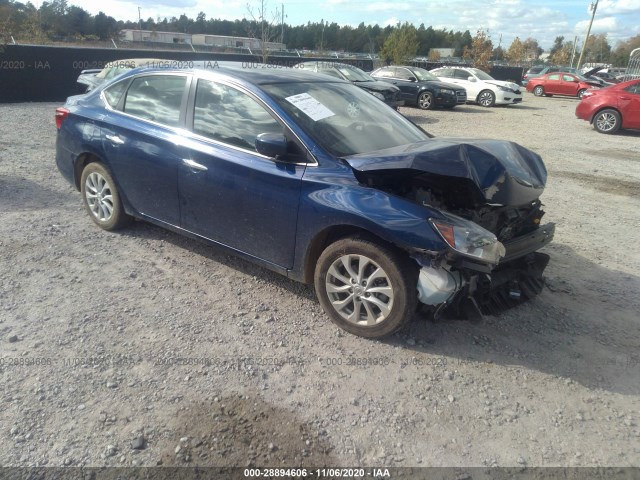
(140, 23)
(594, 7)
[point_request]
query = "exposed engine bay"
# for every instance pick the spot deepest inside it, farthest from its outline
(496, 185)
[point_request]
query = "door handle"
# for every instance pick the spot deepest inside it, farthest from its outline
(194, 165)
(624, 98)
(115, 139)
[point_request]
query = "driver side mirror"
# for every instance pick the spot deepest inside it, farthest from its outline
(271, 145)
(472, 79)
(413, 79)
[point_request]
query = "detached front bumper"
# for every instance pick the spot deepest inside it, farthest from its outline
(531, 242)
(467, 289)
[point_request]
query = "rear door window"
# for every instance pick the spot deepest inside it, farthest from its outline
(157, 98)
(462, 74)
(555, 76)
(385, 72)
(445, 72)
(404, 74)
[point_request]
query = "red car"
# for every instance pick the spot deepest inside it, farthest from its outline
(612, 108)
(560, 83)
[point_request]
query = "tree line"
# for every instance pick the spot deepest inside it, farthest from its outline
(57, 20)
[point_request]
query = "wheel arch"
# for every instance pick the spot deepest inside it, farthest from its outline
(424, 90)
(330, 235)
(81, 162)
(601, 109)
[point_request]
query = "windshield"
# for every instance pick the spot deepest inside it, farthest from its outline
(343, 119)
(481, 74)
(423, 74)
(354, 74)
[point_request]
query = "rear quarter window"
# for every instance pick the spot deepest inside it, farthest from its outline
(113, 94)
(156, 98)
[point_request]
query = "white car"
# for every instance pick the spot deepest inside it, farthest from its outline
(481, 87)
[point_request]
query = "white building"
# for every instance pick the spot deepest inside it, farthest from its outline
(198, 39)
(151, 36)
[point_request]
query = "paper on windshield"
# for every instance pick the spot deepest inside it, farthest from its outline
(310, 106)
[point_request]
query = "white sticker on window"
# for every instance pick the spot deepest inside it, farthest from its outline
(310, 106)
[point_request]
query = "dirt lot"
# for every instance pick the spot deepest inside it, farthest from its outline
(146, 339)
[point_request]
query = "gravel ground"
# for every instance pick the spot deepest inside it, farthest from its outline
(146, 348)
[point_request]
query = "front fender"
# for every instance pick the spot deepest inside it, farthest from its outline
(341, 201)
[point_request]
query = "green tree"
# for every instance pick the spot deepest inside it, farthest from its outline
(620, 55)
(516, 52)
(557, 45)
(480, 51)
(597, 49)
(532, 49)
(401, 45)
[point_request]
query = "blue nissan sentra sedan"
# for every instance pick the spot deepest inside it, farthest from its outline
(317, 179)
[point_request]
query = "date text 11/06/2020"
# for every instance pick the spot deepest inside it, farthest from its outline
(317, 472)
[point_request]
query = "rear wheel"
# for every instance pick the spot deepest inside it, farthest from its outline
(487, 98)
(365, 287)
(425, 101)
(607, 121)
(101, 198)
(538, 91)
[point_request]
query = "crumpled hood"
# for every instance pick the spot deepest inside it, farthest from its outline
(512, 86)
(504, 173)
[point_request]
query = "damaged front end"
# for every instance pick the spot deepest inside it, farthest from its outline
(482, 198)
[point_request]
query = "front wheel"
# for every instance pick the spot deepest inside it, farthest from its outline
(581, 93)
(101, 198)
(425, 101)
(607, 121)
(487, 98)
(366, 288)
(538, 91)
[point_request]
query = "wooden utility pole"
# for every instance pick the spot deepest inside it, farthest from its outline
(594, 7)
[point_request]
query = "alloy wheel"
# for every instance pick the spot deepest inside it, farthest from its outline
(99, 197)
(606, 121)
(359, 290)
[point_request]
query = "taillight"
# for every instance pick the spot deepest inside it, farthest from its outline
(525, 76)
(61, 114)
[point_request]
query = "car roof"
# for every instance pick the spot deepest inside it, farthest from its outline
(327, 64)
(254, 73)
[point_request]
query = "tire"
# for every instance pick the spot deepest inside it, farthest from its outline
(538, 91)
(581, 93)
(607, 121)
(101, 198)
(345, 292)
(425, 101)
(487, 98)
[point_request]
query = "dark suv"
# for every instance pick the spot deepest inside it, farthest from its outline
(387, 93)
(420, 87)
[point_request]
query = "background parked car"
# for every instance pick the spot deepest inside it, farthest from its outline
(92, 78)
(420, 87)
(389, 94)
(560, 83)
(533, 72)
(605, 77)
(481, 87)
(612, 108)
